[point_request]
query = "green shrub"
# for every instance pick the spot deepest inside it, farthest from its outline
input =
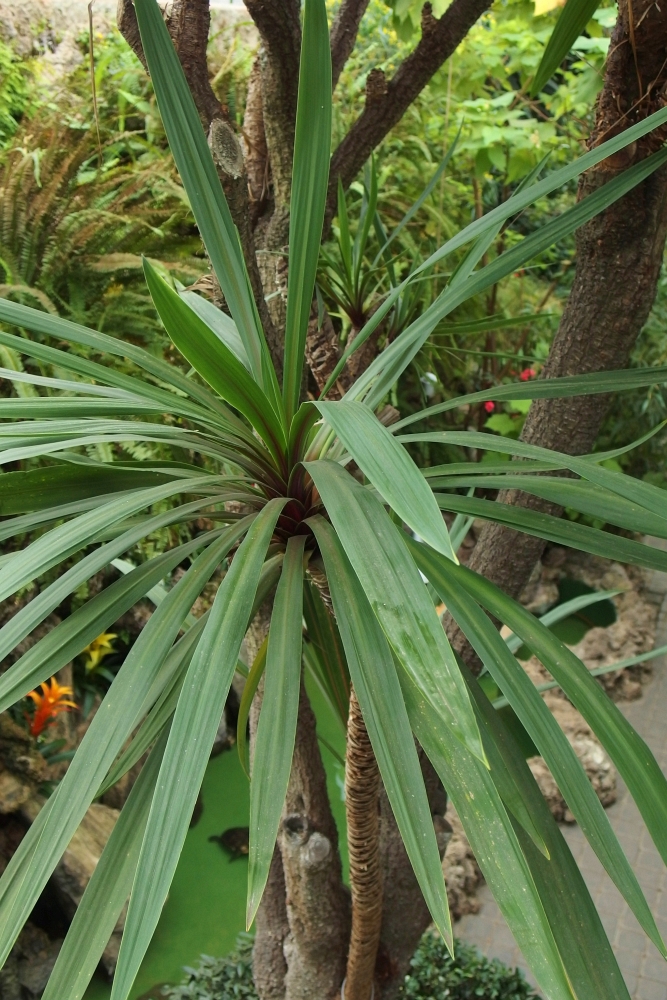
(433, 976)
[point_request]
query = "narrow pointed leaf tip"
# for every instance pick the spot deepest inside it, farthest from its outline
(312, 149)
(391, 471)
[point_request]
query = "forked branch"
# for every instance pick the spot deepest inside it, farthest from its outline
(387, 102)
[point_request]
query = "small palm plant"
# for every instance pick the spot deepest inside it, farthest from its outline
(273, 476)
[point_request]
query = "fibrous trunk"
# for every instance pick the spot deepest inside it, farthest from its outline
(362, 783)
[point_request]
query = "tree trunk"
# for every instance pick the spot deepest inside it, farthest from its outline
(318, 905)
(619, 255)
(405, 915)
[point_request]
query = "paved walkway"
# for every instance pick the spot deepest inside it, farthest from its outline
(645, 972)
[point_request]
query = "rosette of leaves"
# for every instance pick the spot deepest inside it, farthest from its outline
(298, 512)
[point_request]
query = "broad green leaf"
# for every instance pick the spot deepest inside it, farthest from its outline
(12, 526)
(276, 729)
(40, 850)
(310, 176)
(571, 23)
(630, 754)
(193, 730)
(379, 693)
(61, 542)
(543, 729)
(223, 326)
(580, 937)
(390, 469)
(558, 530)
(576, 494)
(548, 388)
(391, 582)
(107, 890)
(35, 611)
(330, 665)
(37, 489)
(200, 179)
(61, 644)
(493, 838)
(214, 361)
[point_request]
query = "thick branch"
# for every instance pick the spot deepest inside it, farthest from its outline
(279, 27)
(619, 255)
(317, 902)
(386, 103)
(362, 783)
(344, 34)
(188, 22)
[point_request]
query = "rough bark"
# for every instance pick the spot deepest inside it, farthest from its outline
(405, 915)
(362, 784)
(618, 260)
(254, 142)
(344, 34)
(387, 101)
(318, 906)
(279, 27)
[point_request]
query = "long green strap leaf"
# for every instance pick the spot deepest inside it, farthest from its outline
(582, 943)
(61, 542)
(222, 325)
(107, 890)
(214, 361)
(390, 469)
(545, 732)
(41, 489)
(571, 23)
(193, 730)
(276, 730)
(51, 597)
(39, 851)
(580, 495)
(63, 329)
(61, 644)
(379, 693)
(558, 530)
(513, 206)
(200, 178)
(312, 150)
(329, 662)
(389, 365)
(548, 388)
(392, 584)
(630, 754)
(493, 838)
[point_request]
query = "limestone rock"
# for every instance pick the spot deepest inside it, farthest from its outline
(22, 767)
(462, 874)
(78, 864)
(29, 965)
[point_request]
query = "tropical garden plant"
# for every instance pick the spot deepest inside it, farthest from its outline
(319, 501)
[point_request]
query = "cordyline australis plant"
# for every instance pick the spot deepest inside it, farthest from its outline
(298, 515)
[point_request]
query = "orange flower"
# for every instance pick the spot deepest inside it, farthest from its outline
(49, 704)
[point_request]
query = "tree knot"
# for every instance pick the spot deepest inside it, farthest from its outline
(376, 86)
(225, 147)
